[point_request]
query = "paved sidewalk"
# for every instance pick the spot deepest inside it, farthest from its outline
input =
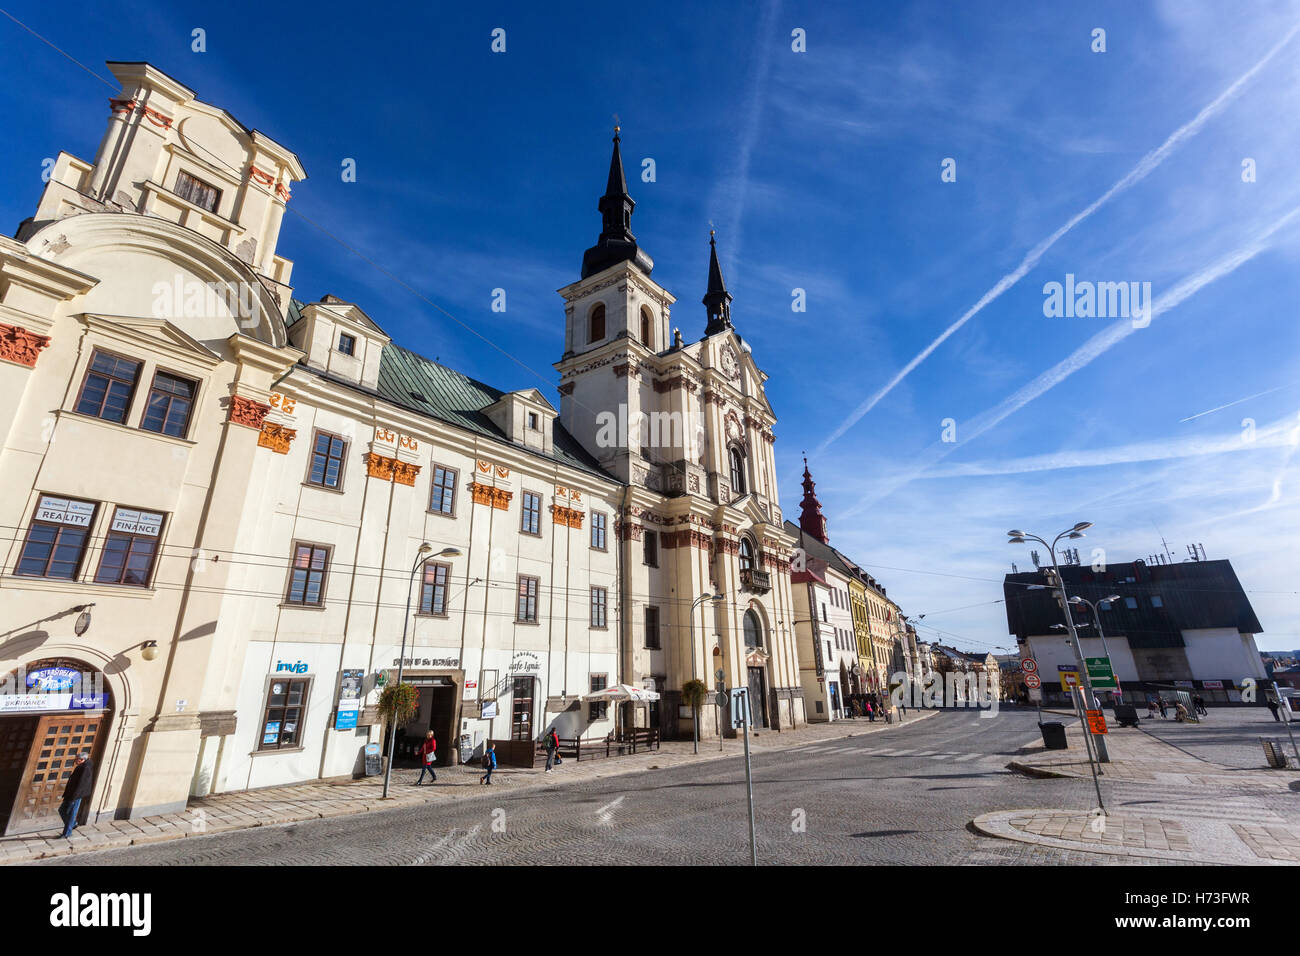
(1208, 813)
(1139, 757)
(310, 801)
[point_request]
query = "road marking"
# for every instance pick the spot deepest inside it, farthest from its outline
(968, 757)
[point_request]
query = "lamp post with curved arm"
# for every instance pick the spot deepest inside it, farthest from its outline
(422, 555)
(715, 598)
(1020, 537)
(1102, 634)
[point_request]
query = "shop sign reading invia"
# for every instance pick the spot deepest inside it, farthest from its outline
(297, 667)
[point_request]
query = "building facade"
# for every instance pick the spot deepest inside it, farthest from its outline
(220, 495)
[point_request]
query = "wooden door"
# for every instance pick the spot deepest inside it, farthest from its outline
(16, 735)
(521, 715)
(757, 697)
(58, 740)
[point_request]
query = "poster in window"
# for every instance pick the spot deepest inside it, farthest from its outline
(271, 732)
(65, 511)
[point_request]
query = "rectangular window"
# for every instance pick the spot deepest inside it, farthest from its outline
(650, 548)
(433, 592)
(327, 461)
(652, 628)
(532, 421)
(130, 548)
(443, 499)
(1131, 603)
(285, 711)
(527, 610)
(347, 344)
(1157, 601)
(197, 191)
(596, 710)
(56, 538)
(531, 520)
(110, 383)
(598, 520)
(167, 411)
(599, 599)
(307, 576)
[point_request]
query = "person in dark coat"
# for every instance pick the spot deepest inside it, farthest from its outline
(81, 783)
(1273, 706)
(552, 746)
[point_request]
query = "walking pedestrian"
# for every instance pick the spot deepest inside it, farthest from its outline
(1199, 701)
(552, 749)
(1151, 708)
(1164, 707)
(1272, 706)
(489, 763)
(428, 757)
(871, 712)
(81, 783)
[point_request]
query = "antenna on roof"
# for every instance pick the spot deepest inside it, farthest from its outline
(1197, 552)
(1034, 555)
(1014, 569)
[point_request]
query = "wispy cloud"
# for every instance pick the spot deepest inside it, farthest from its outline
(1145, 166)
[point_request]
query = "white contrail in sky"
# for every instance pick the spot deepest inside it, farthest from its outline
(1139, 172)
(1085, 354)
(1220, 408)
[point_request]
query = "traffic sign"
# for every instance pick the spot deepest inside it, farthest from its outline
(740, 715)
(1096, 721)
(1029, 665)
(1035, 695)
(1100, 673)
(718, 674)
(1033, 680)
(721, 698)
(1069, 680)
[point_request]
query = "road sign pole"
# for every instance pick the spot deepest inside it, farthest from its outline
(1087, 739)
(1287, 712)
(749, 780)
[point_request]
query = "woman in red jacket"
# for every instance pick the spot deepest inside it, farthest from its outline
(428, 757)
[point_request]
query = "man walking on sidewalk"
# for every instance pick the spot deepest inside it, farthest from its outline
(489, 763)
(1273, 707)
(552, 745)
(81, 783)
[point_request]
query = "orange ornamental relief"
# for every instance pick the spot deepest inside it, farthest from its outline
(569, 517)
(385, 435)
(404, 473)
(390, 469)
(245, 411)
(485, 466)
(498, 498)
(276, 437)
(285, 404)
(20, 346)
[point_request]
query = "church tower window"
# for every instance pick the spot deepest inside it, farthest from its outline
(596, 323)
(737, 456)
(647, 327)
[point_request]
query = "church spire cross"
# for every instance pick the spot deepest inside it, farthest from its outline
(717, 300)
(616, 243)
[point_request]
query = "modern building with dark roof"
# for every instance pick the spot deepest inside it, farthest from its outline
(1187, 626)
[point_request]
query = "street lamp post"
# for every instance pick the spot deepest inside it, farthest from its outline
(715, 598)
(1020, 537)
(421, 556)
(1102, 634)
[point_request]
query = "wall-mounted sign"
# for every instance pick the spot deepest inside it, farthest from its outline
(488, 710)
(525, 662)
(48, 680)
(131, 521)
(345, 717)
(65, 511)
(27, 703)
(292, 667)
(427, 662)
(1212, 684)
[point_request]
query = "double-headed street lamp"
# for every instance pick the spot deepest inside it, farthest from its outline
(421, 556)
(1102, 634)
(1020, 537)
(716, 599)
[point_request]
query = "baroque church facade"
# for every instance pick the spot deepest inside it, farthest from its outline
(234, 516)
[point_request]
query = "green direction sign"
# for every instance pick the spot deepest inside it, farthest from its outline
(1099, 673)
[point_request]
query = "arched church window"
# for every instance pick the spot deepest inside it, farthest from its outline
(753, 630)
(737, 470)
(596, 323)
(647, 327)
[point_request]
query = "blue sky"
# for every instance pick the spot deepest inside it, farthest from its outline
(820, 171)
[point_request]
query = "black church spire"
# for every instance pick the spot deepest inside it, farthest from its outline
(616, 243)
(717, 300)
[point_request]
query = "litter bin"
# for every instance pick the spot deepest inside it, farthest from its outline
(1054, 736)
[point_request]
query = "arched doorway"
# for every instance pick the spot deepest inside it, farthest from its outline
(755, 657)
(50, 711)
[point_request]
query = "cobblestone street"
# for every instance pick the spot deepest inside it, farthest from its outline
(902, 795)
